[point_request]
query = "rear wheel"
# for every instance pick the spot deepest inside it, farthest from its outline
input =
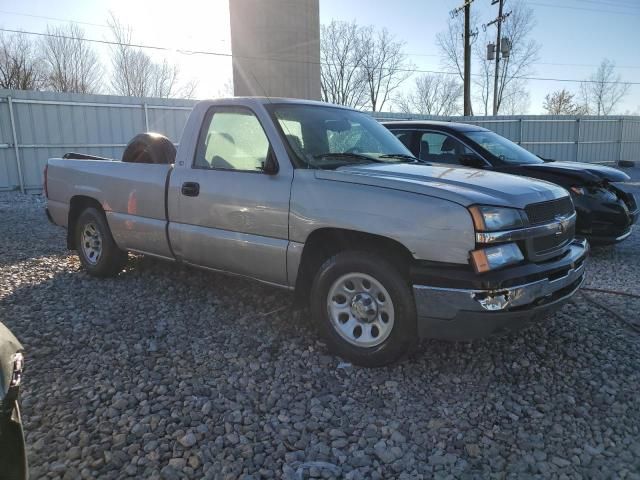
(364, 308)
(97, 250)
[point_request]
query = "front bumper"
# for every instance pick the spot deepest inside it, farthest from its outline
(606, 222)
(458, 313)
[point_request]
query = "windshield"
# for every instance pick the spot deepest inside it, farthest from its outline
(330, 137)
(504, 149)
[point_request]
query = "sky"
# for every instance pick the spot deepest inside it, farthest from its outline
(575, 35)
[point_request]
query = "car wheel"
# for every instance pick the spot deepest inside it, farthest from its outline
(97, 250)
(364, 308)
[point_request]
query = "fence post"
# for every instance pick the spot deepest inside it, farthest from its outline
(146, 117)
(577, 139)
(520, 140)
(15, 144)
(620, 139)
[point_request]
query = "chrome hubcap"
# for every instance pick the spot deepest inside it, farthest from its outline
(360, 310)
(91, 243)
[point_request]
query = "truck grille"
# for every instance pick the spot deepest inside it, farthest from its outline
(549, 243)
(545, 212)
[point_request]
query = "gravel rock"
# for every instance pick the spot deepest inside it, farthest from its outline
(170, 372)
(189, 440)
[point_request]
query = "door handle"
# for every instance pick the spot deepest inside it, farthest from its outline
(190, 189)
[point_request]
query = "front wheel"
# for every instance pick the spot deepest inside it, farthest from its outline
(364, 308)
(98, 252)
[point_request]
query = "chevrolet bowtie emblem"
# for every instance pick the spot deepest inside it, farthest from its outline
(561, 225)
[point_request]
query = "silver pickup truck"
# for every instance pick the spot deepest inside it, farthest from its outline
(323, 200)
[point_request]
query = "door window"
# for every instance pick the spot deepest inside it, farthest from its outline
(441, 148)
(405, 138)
(232, 139)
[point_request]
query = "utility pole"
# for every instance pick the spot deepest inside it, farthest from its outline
(467, 59)
(501, 47)
(467, 52)
(495, 78)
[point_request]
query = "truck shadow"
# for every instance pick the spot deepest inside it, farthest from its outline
(156, 305)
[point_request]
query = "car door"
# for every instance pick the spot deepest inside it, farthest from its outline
(232, 216)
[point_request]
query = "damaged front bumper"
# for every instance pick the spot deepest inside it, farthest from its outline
(507, 300)
(606, 220)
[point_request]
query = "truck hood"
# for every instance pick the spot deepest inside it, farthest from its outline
(575, 172)
(465, 186)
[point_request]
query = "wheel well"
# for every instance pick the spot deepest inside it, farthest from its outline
(326, 242)
(78, 204)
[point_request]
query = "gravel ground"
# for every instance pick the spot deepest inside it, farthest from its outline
(168, 372)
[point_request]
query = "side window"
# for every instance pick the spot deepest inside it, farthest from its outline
(232, 140)
(405, 138)
(441, 148)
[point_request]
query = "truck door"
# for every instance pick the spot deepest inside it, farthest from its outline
(231, 215)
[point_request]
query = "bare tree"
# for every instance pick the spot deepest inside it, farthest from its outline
(433, 94)
(451, 43)
(226, 90)
(188, 90)
(515, 99)
(561, 102)
(134, 73)
(20, 63)
(483, 79)
(342, 79)
(163, 79)
(604, 90)
(71, 64)
(384, 65)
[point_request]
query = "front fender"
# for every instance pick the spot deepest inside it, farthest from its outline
(430, 228)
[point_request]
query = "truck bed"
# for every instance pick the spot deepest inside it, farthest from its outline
(133, 196)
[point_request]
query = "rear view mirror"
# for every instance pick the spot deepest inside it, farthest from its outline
(337, 125)
(472, 160)
(270, 164)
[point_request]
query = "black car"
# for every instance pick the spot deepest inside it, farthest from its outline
(13, 456)
(606, 209)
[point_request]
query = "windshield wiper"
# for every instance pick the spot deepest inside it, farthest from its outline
(359, 156)
(403, 156)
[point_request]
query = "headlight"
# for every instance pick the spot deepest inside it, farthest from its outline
(489, 219)
(496, 257)
(600, 193)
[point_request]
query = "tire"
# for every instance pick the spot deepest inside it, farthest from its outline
(13, 457)
(380, 342)
(98, 252)
(149, 148)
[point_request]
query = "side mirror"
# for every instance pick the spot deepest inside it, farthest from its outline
(472, 160)
(270, 165)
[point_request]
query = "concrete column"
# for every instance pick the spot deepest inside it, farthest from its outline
(276, 48)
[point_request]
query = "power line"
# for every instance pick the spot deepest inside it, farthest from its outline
(533, 63)
(57, 19)
(581, 64)
(582, 8)
(612, 4)
(615, 5)
(308, 62)
(408, 54)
